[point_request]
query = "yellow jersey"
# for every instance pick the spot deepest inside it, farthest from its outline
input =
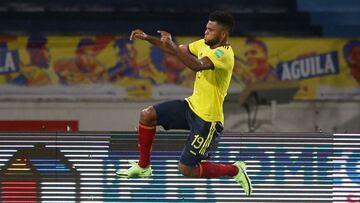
(210, 87)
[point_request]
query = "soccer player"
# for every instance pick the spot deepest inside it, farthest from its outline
(202, 113)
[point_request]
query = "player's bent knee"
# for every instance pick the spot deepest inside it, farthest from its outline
(186, 170)
(148, 116)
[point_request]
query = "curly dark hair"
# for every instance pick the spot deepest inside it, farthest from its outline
(224, 18)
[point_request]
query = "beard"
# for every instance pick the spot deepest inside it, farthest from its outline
(212, 42)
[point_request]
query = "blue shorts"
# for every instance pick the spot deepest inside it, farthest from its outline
(176, 114)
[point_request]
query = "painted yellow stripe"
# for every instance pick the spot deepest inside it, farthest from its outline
(208, 139)
(211, 134)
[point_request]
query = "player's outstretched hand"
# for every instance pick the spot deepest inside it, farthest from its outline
(165, 37)
(139, 34)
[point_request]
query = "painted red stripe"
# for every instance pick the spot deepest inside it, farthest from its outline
(18, 187)
(18, 197)
(18, 183)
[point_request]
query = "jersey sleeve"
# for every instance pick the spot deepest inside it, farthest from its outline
(218, 57)
(195, 46)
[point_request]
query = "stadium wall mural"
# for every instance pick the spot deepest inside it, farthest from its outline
(104, 67)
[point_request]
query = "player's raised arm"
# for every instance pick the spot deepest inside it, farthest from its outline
(183, 54)
(139, 34)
